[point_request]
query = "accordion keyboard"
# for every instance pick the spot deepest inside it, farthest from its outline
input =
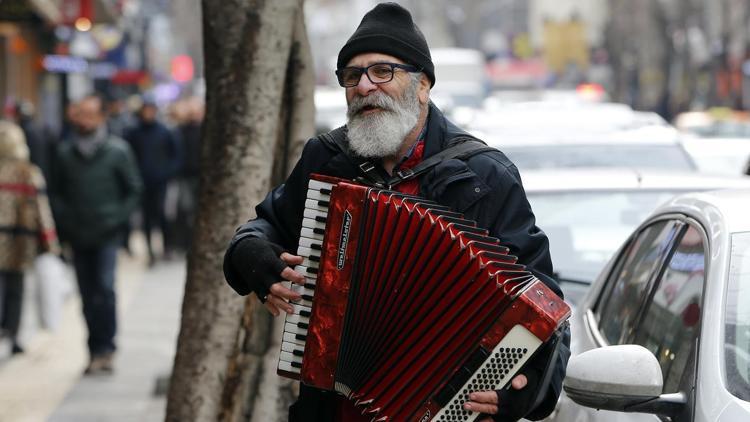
(309, 248)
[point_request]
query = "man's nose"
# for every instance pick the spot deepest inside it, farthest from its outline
(365, 86)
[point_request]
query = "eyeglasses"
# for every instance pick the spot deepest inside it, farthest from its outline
(377, 73)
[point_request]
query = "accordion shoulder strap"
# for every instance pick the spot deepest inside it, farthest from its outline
(461, 147)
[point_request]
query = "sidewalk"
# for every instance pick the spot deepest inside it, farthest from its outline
(46, 382)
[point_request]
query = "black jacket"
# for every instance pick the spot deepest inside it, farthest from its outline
(486, 188)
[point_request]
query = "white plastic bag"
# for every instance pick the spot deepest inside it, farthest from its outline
(53, 287)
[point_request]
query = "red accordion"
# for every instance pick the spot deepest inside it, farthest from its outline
(408, 307)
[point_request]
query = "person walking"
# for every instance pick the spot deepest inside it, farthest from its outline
(158, 153)
(95, 188)
(26, 225)
(387, 73)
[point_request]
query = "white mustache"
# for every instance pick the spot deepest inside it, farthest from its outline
(377, 99)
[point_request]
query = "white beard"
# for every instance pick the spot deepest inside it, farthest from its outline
(381, 133)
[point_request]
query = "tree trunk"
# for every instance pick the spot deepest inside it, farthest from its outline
(259, 102)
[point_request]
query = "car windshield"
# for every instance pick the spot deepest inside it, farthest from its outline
(586, 228)
(665, 157)
(737, 319)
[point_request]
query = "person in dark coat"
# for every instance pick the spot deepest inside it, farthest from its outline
(158, 153)
(41, 143)
(387, 71)
(94, 189)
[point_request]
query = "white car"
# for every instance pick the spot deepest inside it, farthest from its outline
(588, 213)
(539, 136)
(664, 332)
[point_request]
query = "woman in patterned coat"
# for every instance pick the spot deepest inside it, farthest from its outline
(26, 225)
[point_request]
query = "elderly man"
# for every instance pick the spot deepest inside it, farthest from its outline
(386, 70)
(94, 188)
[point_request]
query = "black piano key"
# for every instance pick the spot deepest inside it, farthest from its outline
(310, 286)
(312, 270)
(303, 325)
(296, 352)
(314, 258)
(296, 364)
(319, 231)
(300, 337)
(324, 203)
(316, 246)
(325, 191)
(307, 297)
(305, 313)
(320, 219)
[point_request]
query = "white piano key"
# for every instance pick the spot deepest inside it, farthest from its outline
(305, 251)
(296, 319)
(287, 366)
(308, 243)
(288, 357)
(310, 223)
(310, 234)
(318, 195)
(307, 262)
(315, 205)
(292, 347)
(299, 309)
(294, 329)
(318, 185)
(308, 213)
(303, 290)
(306, 271)
(289, 337)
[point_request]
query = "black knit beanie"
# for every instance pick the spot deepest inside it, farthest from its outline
(389, 29)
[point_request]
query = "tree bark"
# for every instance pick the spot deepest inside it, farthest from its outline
(255, 108)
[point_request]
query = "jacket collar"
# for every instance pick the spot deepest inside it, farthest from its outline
(440, 131)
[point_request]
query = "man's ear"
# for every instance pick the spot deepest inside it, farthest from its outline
(424, 90)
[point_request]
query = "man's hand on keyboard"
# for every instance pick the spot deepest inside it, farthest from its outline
(277, 298)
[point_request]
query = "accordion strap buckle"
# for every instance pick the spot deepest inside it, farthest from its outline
(405, 174)
(367, 167)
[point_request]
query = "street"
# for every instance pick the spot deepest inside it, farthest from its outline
(46, 382)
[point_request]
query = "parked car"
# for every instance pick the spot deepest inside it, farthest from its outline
(539, 136)
(462, 78)
(665, 329)
(588, 213)
(717, 139)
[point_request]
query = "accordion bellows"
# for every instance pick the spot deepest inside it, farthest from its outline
(408, 307)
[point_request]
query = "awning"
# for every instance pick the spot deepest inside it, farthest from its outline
(103, 11)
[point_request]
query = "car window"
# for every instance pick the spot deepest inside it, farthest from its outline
(622, 300)
(671, 320)
(586, 228)
(737, 319)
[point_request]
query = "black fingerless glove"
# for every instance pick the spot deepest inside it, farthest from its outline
(516, 404)
(257, 263)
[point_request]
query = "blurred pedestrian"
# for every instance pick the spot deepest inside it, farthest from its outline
(158, 153)
(190, 135)
(94, 189)
(26, 225)
(41, 143)
(119, 118)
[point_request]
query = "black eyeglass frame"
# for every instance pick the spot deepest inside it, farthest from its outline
(366, 70)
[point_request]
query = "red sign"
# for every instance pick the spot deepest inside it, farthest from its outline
(71, 10)
(182, 68)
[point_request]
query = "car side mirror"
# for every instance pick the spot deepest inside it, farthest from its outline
(623, 378)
